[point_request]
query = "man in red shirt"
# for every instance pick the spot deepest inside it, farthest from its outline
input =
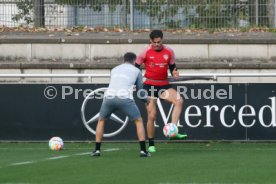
(158, 58)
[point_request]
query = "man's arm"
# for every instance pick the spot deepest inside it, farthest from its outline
(137, 65)
(172, 66)
(141, 58)
(139, 88)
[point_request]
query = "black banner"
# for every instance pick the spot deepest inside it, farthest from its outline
(210, 112)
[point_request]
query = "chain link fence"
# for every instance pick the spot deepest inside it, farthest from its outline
(139, 14)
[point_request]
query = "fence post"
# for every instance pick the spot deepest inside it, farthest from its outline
(125, 20)
(256, 12)
(131, 15)
(274, 13)
(39, 20)
(106, 15)
(75, 15)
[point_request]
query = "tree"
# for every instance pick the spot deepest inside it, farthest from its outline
(30, 11)
(25, 8)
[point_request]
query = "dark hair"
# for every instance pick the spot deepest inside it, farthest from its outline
(156, 34)
(129, 57)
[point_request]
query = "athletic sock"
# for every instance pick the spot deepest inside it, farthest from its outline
(143, 145)
(98, 146)
(151, 141)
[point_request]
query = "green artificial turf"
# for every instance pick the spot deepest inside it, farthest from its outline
(173, 163)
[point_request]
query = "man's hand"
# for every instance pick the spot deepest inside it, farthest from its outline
(175, 74)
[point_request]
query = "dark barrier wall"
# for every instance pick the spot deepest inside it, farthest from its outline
(210, 112)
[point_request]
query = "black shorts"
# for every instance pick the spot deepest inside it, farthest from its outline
(156, 91)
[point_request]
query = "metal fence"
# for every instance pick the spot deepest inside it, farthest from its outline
(139, 14)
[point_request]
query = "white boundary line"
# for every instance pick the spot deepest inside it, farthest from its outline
(111, 149)
(206, 183)
(56, 158)
(22, 163)
(80, 154)
(15, 183)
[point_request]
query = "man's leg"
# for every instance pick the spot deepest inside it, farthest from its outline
(151, 111)
(140, 129)
(141, 137)
(129, 107)
(100, 129)
(171, 95)
(99, 136)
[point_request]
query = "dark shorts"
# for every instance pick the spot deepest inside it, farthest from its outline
(155, 91)
(125, 105)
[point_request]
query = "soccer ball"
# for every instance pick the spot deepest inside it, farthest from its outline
(56, 143)
(170, 130)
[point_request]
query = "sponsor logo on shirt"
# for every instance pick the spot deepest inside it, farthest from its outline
(166, 57)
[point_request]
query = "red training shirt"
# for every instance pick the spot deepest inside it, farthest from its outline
(156, 64)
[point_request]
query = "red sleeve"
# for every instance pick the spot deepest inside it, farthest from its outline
(142, 56)
(172, 61)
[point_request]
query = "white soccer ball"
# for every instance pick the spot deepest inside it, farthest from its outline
(56, 143)
(170, 130)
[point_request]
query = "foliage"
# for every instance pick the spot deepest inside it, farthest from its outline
(160, 11)
(96, 5)
(25, 8)
(208, 14)
(197, 13)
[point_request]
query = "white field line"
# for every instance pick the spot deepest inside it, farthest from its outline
(105, 150)
(205, 183)
(26, 148)
(55, 158)
(111, 149)
(44, 148)
(22, 163)
(15, 183)
(80, 154)
(210, 147)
